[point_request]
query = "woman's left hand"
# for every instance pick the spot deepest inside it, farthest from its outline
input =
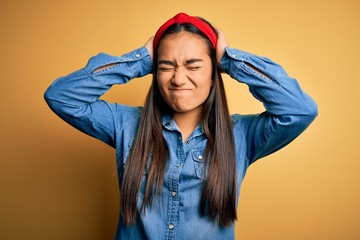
(221, 45)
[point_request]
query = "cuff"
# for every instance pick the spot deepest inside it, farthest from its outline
(230, 55)
(103, 59)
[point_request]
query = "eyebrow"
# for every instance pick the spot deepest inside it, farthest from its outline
(188, 62)
(193, 60)
(166, 62)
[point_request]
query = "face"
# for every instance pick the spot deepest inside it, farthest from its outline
(184, 72)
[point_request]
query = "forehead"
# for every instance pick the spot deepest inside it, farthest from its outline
(182, 45)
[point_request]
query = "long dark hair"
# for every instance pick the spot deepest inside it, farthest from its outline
(219, 190)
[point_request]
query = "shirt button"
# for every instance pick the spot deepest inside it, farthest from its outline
(173, 194)
(178, 165)
(137, 55)
(200, 157)
(188, 141)
(171, 226)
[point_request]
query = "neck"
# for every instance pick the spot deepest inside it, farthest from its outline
(187, 122)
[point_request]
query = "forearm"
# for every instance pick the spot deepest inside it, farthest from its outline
(289, 110)
(269, 83)
(75, 98)
(102, 71)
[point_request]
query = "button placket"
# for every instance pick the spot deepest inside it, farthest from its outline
(173, 197)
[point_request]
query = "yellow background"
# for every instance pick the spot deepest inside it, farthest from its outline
(57, 183)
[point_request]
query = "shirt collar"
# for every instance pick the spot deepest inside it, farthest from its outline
(170, 124)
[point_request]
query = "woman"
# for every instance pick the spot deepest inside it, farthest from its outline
(181, 158)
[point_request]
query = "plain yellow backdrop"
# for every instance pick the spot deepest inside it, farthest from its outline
(57, 183)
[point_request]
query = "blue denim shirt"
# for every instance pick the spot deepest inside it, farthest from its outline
(176, 214)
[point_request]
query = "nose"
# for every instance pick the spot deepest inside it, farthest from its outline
(179, 78)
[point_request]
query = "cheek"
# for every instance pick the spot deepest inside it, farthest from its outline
(209, 86)
(206, 82)
(162, 87)
(163, 78)
(160, 80)
(206, 92)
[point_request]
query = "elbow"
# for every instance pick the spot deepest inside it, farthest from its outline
(304, 120)
(52, 97)
(55, 105)
(49, 96)
(312, 110)
(54, 93)
(49, 99)
(299, 122)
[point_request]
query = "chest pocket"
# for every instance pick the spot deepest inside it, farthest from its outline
(199, 161)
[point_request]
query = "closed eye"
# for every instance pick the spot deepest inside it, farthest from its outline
(166, 69)
(193, 68)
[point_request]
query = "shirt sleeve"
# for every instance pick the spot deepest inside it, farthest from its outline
(289, 110)
(75, 97)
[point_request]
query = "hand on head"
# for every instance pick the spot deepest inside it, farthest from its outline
(149, 46)
(221, 45)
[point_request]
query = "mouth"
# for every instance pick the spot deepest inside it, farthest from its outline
(180, 89)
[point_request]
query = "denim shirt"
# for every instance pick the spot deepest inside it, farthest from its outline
(176, 213)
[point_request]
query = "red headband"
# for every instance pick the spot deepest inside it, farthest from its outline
(184, 18)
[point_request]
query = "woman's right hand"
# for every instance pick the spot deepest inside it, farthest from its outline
(150, 47)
